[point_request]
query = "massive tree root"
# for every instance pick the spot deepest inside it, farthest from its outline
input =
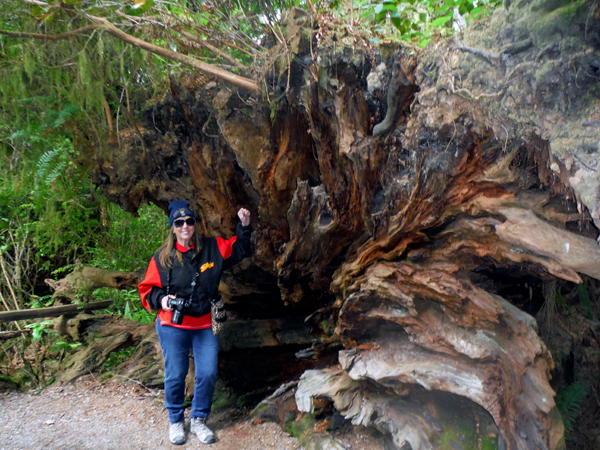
(479, 189)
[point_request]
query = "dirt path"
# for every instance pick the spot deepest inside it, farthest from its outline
(115, 416)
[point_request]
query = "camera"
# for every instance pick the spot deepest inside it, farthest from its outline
(179, 305)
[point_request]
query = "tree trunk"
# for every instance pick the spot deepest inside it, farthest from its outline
(413, 241)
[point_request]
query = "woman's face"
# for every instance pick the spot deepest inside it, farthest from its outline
(184, 232)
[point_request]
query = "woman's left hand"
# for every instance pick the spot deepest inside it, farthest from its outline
(244, 216)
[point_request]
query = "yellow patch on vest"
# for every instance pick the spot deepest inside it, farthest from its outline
(208, 265)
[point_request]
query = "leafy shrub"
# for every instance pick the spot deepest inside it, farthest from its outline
(126, 303)
(38, 329)
(128, 242)
(419, 20)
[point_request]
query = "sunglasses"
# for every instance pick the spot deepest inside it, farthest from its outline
(179, 222)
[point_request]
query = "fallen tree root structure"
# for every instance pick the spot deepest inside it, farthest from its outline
(420, 225)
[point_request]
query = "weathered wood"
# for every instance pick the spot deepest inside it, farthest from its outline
(430, 327)
(4, 335)
(86, 279)
(54, 311)
(524, 230)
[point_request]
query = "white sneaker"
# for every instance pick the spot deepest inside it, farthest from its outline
(177, 433)
(199, 428)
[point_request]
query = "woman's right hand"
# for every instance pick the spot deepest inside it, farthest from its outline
(164, 302)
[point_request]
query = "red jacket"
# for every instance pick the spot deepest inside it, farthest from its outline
(216, 255)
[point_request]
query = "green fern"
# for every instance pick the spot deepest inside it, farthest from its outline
(51, 165)
(48, 165)
(584, 298)
(569, 403)
(56, 119)
(68, 112)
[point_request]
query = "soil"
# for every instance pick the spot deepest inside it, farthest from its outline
(115, 415)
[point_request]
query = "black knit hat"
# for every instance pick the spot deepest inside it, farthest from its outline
(177, 209)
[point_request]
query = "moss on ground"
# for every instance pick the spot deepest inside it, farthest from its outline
(301, 426)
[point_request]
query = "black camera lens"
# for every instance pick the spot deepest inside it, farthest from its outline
(178, 305)
(177, 317)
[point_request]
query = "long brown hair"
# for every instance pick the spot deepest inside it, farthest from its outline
(164, 258)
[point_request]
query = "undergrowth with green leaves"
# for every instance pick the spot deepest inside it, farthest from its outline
(568, 403)
(117, 358)
(125, 303)
(417, 21)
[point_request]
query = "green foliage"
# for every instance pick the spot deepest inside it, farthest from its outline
(66, 346)
(38, 329)
(584, 299)
(126, 303)
(561, 301)
(127, 243)
(420, 21)
(43, 301)
(116, 358)
(139, 314)
(488, 443)
(569, 401)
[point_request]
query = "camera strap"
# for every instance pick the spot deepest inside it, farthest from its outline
(169, 277)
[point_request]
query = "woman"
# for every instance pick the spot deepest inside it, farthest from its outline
(182, 279)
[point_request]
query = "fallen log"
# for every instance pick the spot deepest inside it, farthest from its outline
(54, 311)
(85, 278)
(4, 335)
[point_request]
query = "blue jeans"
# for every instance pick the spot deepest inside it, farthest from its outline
(176, 344)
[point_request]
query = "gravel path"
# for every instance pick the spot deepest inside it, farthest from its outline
(88, 415)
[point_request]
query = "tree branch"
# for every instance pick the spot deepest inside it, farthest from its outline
(53, 311)
(210, 47)
(36, 2)
(4, 335)
(50, 37)
(232, 78)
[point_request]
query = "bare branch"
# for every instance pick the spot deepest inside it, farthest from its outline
(4, 335)
(210, 47)
(50, 37)
(232, 78)
(53, 311)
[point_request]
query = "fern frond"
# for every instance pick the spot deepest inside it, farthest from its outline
(569, 401)
(67, 113)
(45, 161)
(584, 298)
(18, 134)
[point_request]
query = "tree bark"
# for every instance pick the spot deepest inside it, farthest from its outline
(55, 311)
(4, 335)
(86, 279)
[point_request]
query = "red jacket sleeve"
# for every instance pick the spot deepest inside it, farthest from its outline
(150, 282)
